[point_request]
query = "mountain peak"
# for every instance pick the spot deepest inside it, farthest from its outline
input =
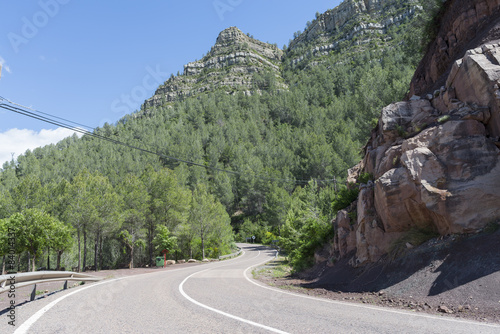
(230, 35)
(230, 65)
(233, 39)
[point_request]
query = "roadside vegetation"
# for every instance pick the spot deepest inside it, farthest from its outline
(91, 223)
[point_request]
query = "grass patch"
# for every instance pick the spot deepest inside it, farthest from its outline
(413, 238)
(278, 268)
(293, 288)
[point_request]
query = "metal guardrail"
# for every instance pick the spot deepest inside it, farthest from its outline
(230, 255)
(15, 281)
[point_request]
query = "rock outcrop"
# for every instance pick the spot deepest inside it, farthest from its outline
(435, 159)
(230, 65)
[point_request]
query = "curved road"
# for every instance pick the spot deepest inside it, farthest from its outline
(215, 298)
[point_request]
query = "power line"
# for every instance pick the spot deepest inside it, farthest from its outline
(45, 117)
(40, 112)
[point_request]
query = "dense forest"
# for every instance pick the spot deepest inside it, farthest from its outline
(270, 165)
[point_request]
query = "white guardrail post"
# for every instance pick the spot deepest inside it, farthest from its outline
(25, 279)
(223, 257)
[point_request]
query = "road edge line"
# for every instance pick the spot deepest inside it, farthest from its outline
(361, 305)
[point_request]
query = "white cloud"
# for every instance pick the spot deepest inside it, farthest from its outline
(18, 141)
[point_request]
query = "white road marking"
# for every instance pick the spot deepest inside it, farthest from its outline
(249, 322)
(28, 323)
(359, 305)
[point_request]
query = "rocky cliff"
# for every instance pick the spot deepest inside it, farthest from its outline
(230, 65)
(434, 159)
(352, 22)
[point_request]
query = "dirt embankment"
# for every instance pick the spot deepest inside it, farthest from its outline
(458, 276)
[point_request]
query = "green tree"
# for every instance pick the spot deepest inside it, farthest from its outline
(28, 194)
(8, 177)
(7, 206)
(163, 240)
(207, 216)
(135, 199)
(276, 207)
(107, 204)
(81, 211)
(60, 239)
(186, 236)
(168, 202)
(4, 242)
(131, 242)
(33, 229)
(56, 199)
(249, 229)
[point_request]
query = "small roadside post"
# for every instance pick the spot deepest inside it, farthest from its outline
(276, 245)
(165, 252)
(253, 239)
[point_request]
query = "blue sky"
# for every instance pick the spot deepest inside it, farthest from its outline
(94, 61)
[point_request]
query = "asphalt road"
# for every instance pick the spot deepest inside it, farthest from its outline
(218, 297)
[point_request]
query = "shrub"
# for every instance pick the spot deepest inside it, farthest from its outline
(313, 235)
(344, 198)
(365, 177)
(268, 238)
